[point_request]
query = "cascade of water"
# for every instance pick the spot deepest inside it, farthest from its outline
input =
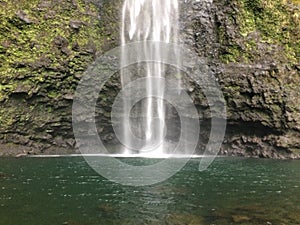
(148, 20)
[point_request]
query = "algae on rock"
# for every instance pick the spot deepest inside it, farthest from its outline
(45, 46)
(252, 46)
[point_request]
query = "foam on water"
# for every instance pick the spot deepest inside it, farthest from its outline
(150, 156)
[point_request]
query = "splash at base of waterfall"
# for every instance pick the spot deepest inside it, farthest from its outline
(162, 156)
(163, 150)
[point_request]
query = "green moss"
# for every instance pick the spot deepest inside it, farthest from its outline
(266, 22)
(232, 55)
(4, 89)
(6, 119)
(25, 47)
(53, 94)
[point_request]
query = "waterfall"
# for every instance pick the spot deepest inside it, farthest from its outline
(144, 21)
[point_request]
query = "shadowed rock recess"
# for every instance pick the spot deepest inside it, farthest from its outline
(252, 46)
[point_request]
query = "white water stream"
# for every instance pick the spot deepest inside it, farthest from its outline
(144, 21)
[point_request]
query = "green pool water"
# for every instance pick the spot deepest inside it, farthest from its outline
(50, 191)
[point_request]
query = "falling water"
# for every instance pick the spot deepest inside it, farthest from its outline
(144, 21)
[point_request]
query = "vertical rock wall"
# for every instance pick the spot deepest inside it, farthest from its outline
(252, 46)
(45, 46)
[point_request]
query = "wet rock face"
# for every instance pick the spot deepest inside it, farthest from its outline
(252, 47)
(45, 46)
(256, 69)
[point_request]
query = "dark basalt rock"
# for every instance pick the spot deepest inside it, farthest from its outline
(252, 47)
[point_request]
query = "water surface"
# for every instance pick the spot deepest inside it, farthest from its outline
(49, 191)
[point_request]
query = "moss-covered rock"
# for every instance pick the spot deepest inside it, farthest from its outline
(45, 46)
(252, 46)
(264, 28)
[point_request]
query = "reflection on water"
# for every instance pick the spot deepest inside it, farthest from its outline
(232, 191)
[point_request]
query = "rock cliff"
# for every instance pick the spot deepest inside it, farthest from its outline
(252, 46)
